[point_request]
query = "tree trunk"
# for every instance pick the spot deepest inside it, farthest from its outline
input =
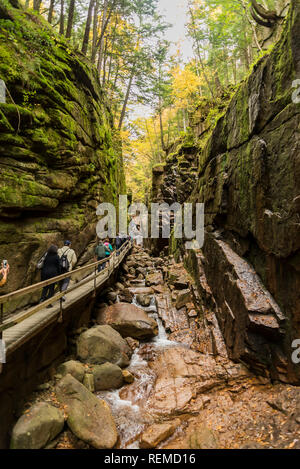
(105, 20)
(161, 128)
(127, 97)
(104, 62)
(62, 17)
(200, 58)
(70, 18)
(50, 12)
(85, 42)
(37, 5)
(95, 31)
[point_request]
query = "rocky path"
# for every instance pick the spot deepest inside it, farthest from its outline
(165, 380)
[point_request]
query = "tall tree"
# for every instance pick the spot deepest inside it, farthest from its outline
(86, 36)
(51, 10)
(70, 18)
(62, 17)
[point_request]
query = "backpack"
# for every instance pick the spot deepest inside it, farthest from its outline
(40, 263)
(108, 250)
(101, 251)
(64, 262)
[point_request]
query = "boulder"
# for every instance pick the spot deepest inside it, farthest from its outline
(127, 376)
(88, 417)
(102, 344)
(107, 376)
(37, 427)
(157, 433)
(133, 343)
(112, 296)
(144, 300)
(181, 284)
(72, 367)
(88, 382)
(130, 321)
(183, 297)
(154, 279)
(126, 296)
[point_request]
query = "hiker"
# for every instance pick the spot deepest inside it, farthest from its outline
(119, 242)
(100, 254)
(67, 261)
(4, 272)
(108, 247)
(137, 236)
(50, 269)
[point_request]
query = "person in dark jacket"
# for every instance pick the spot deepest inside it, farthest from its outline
(50, 269)
(118, 243)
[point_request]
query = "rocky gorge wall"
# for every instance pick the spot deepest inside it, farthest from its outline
(59, 153)
(248, 178)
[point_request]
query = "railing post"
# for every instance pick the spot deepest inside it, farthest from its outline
(1, 320)
(60, 319)
(95, 281)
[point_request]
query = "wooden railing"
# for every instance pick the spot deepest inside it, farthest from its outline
(113, 261)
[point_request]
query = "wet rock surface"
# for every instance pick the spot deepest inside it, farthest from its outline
(101, 344)
(107, 376)
(129, 320)
(89, 418)
(180, 389)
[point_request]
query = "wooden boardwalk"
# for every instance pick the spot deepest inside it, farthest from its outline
(21, 332)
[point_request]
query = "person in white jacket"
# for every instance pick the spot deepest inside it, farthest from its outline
(72, 259)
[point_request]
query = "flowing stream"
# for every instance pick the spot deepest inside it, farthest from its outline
(129, 404)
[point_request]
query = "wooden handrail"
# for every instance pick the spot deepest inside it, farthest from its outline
(37, 286)
(16, 319)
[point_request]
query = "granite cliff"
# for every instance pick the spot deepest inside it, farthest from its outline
(59, 153)
(248, 177)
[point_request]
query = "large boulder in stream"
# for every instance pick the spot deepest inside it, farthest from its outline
(129, 320)
(88, 417)
(72, 367)
(107, 376)
(37, 427)
(102, 344)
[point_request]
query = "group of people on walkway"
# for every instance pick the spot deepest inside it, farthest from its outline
(104, 249)
(55, 262)
(59, 261)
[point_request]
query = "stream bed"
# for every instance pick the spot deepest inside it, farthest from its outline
(129, 403)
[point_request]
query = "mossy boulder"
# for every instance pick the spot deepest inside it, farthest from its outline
(37, 427)
(59, 152)
(107, 376)
(88, 417)
(72, 367)
(102, 344)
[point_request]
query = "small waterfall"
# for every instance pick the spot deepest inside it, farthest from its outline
(129, 404)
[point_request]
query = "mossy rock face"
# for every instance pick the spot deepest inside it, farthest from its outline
(248, 177)
(59, 153)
